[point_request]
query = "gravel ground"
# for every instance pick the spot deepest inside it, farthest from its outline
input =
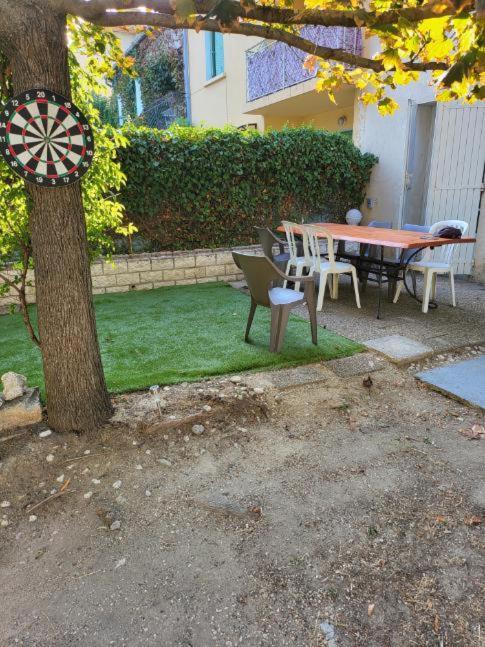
(324, 513)
(443, 328)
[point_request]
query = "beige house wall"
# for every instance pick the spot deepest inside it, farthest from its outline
(223, 101)
(220, 100)
(327, 120)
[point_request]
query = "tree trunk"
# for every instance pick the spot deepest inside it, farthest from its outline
(34, 40)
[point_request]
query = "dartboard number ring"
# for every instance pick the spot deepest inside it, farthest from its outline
(45, 138)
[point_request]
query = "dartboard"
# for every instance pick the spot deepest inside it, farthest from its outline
(45, 138)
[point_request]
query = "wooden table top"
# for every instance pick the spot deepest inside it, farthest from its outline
(399, 238)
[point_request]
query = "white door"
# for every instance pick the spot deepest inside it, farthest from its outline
(457, 172)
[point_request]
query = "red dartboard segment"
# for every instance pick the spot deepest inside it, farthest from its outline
(45, 138)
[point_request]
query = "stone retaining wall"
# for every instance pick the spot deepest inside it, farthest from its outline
(148, 271)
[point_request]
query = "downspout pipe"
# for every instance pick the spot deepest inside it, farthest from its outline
(185, 53)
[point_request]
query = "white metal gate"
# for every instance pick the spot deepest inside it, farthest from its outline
(457, 172)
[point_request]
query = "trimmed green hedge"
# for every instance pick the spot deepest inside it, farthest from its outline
(207, 187)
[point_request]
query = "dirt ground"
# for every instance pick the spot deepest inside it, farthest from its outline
(329, 513)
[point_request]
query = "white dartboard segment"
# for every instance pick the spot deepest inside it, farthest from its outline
(45, 138)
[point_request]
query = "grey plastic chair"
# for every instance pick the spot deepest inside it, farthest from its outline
(261, 275)
(268, 240)
(370, 251)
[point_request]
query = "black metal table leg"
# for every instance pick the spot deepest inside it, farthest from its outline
(381, 268)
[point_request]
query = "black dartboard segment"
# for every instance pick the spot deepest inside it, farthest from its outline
(45, 138)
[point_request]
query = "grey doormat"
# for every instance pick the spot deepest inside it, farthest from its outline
(464, 380)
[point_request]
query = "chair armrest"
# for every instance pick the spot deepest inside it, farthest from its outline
(278, 240)
(293, 279)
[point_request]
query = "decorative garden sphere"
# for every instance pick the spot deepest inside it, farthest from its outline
(353, 217)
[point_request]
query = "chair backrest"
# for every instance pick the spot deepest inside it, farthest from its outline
(315, 233)
(267, 241)
(259, 273)
(423, 229)
(292, 241)
(380, 224)
(371, 250)
(444, 253)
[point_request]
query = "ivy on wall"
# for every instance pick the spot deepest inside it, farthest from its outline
(194, 187)
(158, 63)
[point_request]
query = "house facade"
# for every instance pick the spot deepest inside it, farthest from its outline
(431, 155)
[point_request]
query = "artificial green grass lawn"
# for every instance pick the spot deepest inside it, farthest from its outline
(177, 334)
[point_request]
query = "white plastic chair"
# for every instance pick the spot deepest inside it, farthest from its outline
(435, 261)
(300, 263)
(331, 267)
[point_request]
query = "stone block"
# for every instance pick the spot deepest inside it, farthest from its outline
(163, 284)
(118, 268)
(118, 288)
(184, 261)
(224, 257)
(99, 290)
(136, 265)
(103, 280)
(202, 260)
(207, 279)
(213, 270)
(162, 263)
(232, 268)
(153, 275)
(132, 278)
(173, 275)
(22, 411)
(97, 268)
(185, 282)
(194, 273)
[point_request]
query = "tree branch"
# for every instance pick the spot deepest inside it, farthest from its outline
(21, 293)
(251, 10)
(113, 19)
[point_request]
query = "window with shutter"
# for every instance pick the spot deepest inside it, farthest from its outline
(214, 55)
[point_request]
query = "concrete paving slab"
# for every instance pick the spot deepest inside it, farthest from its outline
(464, 380)
(359, 364)
(291, 377)
(399, 349)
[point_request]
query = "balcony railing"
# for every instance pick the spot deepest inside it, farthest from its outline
(272, 66)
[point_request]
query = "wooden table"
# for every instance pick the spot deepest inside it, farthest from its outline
(396, 238)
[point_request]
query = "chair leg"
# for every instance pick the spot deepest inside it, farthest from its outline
(452, 285)
(321, 290)
(428, 280)
(252, 310)
(312, 309)
(413, 279)
(273, 338)
(298, 272)
(399, 287)
(288, 268)
(282, 323)
(335, 279)
(356, 286)
(433, 287)
(391, 285)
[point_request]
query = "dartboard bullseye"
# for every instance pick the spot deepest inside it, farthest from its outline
(45, 138)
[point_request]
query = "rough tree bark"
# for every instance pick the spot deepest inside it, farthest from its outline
(34, 40)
